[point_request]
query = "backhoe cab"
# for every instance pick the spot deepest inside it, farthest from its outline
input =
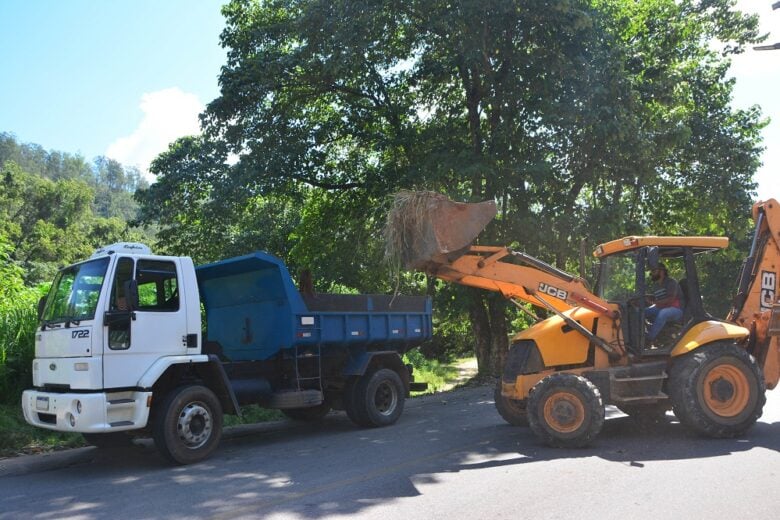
(592, 351)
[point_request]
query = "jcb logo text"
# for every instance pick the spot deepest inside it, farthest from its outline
(768, 289)
(553, 291)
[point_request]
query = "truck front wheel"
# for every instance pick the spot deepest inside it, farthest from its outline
(188, 424)
(376, 399)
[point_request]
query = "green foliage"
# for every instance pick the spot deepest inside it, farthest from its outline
(438, 375)
(583, 119)
(16, 436)
(253, 414)
(18, 320)
(51, 222)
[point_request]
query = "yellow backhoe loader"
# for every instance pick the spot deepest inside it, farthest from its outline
(592, 351)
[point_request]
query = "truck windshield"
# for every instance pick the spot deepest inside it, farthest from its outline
(618, 277)
(75, 292)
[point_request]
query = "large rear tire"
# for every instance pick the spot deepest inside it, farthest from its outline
(375, 399)
(188, 424)
(512, 411)
(565, 410)
(717, 390)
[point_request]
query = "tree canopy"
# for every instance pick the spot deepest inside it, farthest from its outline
(583, 119)
(56, 209)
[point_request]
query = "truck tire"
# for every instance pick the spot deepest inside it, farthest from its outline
(512, 411)
(717, 390)
(355, 413)
(188, 424)
(376, 399)
(108, 441)
(565, 410)
(310, 414)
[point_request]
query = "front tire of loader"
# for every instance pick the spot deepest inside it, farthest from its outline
(717, 390)
(188, 424)
(565, 410)
(512, 411)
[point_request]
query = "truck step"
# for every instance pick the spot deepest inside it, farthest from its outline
(121, 423)
(117, 404)
(120, 401)
(296, 399)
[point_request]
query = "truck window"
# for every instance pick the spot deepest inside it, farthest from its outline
(158, 289)
(75, 291)
(124, 273)
(119, 333)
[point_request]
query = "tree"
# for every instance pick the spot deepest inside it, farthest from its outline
(581, 118)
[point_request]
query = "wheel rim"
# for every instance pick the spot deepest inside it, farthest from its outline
(386, 398)
(726, 390)
(194, 425)
(564, 412)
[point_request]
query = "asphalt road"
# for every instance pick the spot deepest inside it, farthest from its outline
(450, 456)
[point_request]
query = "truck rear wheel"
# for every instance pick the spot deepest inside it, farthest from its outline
(512, 411)
(375, 399)
(565, 410)
(717, 390)
(188, 424)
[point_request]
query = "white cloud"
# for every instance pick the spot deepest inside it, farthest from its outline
(168, 114)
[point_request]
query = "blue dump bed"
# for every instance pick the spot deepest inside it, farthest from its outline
(253, 311)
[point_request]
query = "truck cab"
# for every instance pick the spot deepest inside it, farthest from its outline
(93, 338)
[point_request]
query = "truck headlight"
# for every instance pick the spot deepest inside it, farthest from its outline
(81, 367)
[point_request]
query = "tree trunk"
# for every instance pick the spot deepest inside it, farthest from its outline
(499, 334)
(480, 328)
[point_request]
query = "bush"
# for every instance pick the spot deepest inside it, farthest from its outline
(17, 348)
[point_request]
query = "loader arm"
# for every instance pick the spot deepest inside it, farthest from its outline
(485, 267)
(757, 290)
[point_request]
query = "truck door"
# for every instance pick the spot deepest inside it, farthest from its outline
(157, 328)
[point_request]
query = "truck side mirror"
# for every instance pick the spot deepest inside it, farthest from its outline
(41, 306)
(131, 293)
(652, 257)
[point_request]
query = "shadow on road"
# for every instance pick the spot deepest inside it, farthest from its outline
(332, 468)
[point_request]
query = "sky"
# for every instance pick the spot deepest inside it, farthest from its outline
(123, 78)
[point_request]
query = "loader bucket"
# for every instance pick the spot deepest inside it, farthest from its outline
(426, 227)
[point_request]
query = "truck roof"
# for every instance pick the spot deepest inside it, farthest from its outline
(669, 246)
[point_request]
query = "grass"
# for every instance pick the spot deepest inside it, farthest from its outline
(17, 437)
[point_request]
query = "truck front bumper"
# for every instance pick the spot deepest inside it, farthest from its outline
(86, 413)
